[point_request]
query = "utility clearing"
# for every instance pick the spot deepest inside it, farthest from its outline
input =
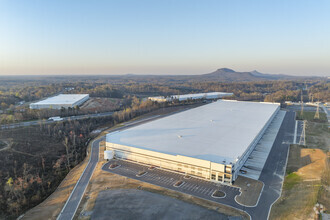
(306, 183)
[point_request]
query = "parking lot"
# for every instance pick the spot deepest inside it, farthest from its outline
(190, 185)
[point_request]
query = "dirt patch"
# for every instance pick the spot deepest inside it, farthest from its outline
(250, 190)
(313, 163)
(101, 104)
(309, 164)
(306, 184)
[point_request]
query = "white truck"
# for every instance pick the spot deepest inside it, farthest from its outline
(56, 118)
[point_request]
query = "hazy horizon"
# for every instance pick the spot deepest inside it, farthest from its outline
(164, 37)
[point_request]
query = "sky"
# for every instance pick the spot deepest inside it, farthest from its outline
(164, 36)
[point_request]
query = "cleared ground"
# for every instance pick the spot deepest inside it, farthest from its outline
(309, 116)
(139, 204)
(101, 104)
(304, 184)
(318, 135)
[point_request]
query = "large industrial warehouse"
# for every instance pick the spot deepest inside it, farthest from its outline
(61, 101)
(209, 95)
(212, 141)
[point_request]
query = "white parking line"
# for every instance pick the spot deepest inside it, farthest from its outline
(153, 177)
(190, 187)
(196, 188)
(211, 191)
(295, 133)
(170, 182)
(200, 189)
(186, 186)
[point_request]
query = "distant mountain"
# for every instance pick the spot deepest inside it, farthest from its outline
(229, 75)
(220, 75)
(271, 76)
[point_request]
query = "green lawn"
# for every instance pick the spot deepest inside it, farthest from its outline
(309, 116)
(291, 180)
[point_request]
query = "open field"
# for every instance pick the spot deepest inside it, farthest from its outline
(309, 116)
(101, 104)
(306, 183)
(318, 135)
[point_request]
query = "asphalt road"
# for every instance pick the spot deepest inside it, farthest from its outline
(272, 175)
(36, 122)
(72, 203)
(273, 172)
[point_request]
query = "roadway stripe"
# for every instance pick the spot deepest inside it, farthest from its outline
(295, 133)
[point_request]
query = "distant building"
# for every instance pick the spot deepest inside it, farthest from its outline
(61, 101)
(209, 95)
(211, 142)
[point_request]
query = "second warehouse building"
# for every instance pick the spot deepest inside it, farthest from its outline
(212, 141)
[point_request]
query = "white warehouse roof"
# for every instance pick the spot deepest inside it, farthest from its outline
(219, 131)
(209, 95)
(62, 100)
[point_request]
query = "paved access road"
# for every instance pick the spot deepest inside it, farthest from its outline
(273, 172)
(72, 203)
(37, 122)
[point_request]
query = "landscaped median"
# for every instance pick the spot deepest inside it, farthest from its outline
(250, 191)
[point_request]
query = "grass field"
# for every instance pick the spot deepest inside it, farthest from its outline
(291, 180)
(309, 116)
(317, 135)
